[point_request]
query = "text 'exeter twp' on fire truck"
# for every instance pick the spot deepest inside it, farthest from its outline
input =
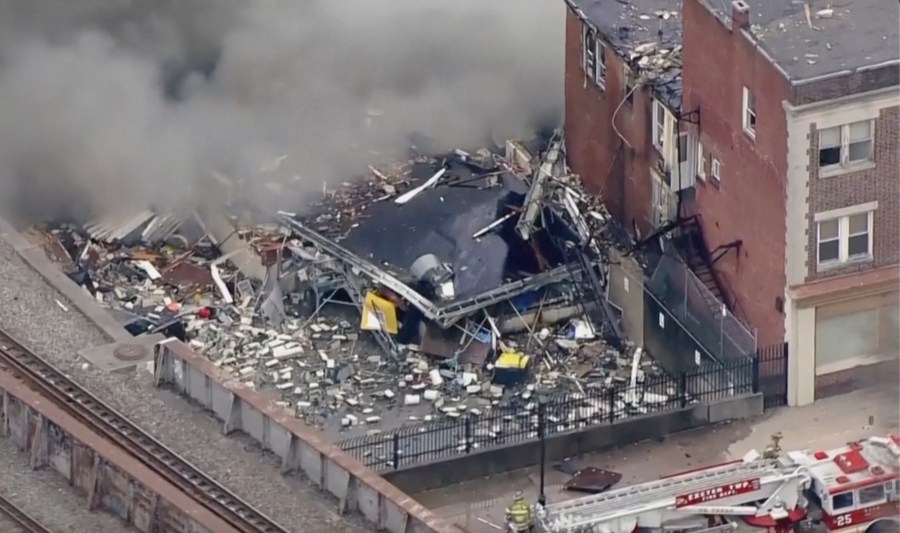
(854, 488)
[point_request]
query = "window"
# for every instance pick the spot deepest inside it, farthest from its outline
(601, 64)
(870, 495)
(829, 241)
(594, 57)
(749, 115)
(629, 86)
(682, 148)
(715, 170)
(659, 125)
(701, 162)
(842, 500)
(589, 49)
(845, 146)
(846, 238)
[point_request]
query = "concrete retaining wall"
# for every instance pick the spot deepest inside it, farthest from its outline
(240, 408)
(110, 478)
(425, 476)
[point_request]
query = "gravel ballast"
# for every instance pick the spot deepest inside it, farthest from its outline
(30, 312)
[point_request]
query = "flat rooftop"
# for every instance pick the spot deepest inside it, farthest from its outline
(834, 37)
(629, 25)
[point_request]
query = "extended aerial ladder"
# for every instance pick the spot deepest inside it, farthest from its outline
(752, 487)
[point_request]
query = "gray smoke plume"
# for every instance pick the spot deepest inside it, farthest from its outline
(127, 104)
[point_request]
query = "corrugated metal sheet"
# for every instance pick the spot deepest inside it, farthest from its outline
(144, 226)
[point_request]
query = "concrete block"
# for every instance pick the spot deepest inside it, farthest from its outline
(734, 408)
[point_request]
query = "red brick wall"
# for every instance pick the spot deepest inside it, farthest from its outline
(881, 184)
(749, 204)
(619, 175)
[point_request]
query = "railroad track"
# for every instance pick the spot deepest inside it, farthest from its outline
(75, 400)
(15, 520)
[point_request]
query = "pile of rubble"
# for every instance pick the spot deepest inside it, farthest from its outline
(434, 288)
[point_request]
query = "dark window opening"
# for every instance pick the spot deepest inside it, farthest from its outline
(829, 156)
(842, 501)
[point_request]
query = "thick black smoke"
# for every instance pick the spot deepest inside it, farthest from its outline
(125, 104)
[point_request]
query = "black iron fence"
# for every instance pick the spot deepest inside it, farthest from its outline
(524, 419)
(772, 375)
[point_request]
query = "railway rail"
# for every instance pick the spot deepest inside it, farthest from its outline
(41, 376)
(15, 520)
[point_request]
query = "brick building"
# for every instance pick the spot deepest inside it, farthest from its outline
(785, 121)
(619, 61)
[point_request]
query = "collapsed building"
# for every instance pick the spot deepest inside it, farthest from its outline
(481, 278)
(470, 253)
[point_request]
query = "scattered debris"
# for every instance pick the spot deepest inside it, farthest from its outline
(592, 480)
(470, 307)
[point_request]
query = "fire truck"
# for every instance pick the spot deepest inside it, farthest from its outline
(852, 489)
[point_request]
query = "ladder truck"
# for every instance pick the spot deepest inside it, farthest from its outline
(852, 489)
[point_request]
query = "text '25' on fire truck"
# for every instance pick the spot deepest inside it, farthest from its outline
(852, 489)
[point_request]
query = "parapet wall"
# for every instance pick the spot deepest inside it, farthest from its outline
(241, 408)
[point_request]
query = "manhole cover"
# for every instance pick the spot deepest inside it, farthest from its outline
(129, 352)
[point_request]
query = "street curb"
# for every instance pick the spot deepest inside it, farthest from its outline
(35, 257)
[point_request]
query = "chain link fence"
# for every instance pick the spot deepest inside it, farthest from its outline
(699, 311)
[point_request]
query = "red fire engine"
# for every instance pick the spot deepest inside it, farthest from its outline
(855, 488)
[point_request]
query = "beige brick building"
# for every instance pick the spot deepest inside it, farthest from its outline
(804, 132)
(778, 133)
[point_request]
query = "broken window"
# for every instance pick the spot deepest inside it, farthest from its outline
(682, 147)
(629, 85)
(659, 125)
(845, 146)
(589, 49)
(829, 147)
(601, 64)
(749, 115)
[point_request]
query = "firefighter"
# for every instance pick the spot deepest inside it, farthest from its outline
(519, 514)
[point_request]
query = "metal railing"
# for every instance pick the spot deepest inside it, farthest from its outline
(563, 412)
(699, 311)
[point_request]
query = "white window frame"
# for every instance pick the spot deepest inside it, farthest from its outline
(701, 162)
(845, 164)
(715, 170)
(842, 216)
(589, 53)
(659, 128)
(593, 58)
(749, 112)
(600, 63)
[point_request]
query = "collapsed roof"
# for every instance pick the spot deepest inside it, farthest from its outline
(468, 235)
